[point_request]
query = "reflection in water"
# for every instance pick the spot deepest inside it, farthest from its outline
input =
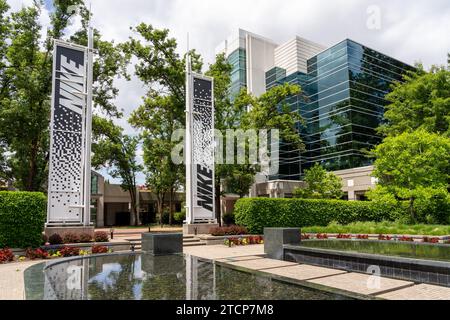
(391, 248)
(145, 277)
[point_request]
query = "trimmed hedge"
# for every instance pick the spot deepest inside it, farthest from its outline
(22, 219)
(257, 213)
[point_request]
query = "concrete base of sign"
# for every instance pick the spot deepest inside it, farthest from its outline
(198, 228)
(276, 238)
(162, 243)
(61, 230)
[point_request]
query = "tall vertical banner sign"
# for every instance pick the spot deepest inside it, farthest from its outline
(200, 174)
(67, 131)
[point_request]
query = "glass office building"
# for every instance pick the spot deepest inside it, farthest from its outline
(237, 59)
(342, 103)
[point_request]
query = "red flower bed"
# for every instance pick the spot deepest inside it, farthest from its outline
(6, 255)
(406, 239)
(99, 249)
(101, 236)
(362, 237)
(344, 236)
(430, 240)
(69, 251)
(305, 236)
(384, 237)
(321, 236)
(228, 231)
(36, 254)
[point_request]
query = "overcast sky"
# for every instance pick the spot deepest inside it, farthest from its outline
(411, 31)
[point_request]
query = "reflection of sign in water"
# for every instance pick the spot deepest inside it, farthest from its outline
(75, 278)
(374, 281)
(67, 128)
(202, 122)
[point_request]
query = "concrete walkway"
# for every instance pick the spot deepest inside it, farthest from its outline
(11, 280)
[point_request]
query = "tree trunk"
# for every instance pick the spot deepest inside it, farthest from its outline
(160, 204)
(170, 206)
(411, 209)
(218, 207)
(32, 167)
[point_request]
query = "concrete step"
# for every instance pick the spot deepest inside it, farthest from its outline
(194, 244)
(191, 240)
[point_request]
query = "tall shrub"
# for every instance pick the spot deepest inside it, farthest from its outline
(22, 219)
(258, 213)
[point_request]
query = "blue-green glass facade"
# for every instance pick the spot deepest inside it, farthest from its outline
(342, 103)
(237, 59)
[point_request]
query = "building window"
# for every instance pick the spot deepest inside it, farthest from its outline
(94, 184)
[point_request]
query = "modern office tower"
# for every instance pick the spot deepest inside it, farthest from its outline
(342, 103)
(250, 56)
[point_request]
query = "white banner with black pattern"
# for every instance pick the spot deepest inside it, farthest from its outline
(202, 129)
(67, 129)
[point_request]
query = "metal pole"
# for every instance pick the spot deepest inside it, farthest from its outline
(87, 166)
(188, 149)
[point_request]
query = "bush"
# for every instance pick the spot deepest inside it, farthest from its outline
(258, 213)
(228, 219)
(228, 231)
(179, 217)
(6, 255)
(44, 239)
(22, 218)
(36, 254)
(69, 251)
(99, 249)
(55, 239)
(85, 237)
(70, 237)
(101, 236)
(165, 217)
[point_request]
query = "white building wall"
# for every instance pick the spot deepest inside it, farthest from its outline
(294, 54)
(260, 57)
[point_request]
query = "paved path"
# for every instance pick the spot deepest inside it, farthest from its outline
(11, 280)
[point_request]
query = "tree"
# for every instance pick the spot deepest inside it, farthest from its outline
(266, 112)
(26, 78)
(162, 71)
(226, 116)
(413, 165)
(422, 101)
(320, 184)
(117, 152)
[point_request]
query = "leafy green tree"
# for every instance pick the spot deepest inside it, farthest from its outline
(226, 116)
(162, 71)
(117, 152)
(25, 76)
(422, 101)
(266, 112)
(411, 166)
(320, 184)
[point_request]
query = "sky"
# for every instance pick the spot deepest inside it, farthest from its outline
(410, 31)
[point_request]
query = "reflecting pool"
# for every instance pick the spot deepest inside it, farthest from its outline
(440, 252)
(146, 277)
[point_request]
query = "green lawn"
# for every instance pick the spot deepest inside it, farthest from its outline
(382, 228)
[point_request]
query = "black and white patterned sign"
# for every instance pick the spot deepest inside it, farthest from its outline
(203, 148)
(65, 190)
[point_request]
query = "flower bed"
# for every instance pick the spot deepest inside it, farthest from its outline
(381, 237)
(243, 241)
(7, 255)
